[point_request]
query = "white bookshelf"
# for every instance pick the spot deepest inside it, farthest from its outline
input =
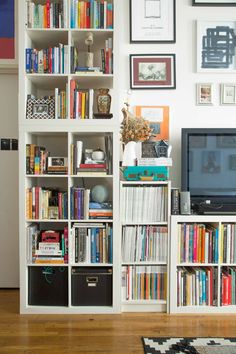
(218, 221)
(57, 135)
(137, 301)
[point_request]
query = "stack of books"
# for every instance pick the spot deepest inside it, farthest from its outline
(100, 210)
(95, 168)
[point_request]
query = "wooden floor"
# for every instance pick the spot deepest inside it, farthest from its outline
(119, 334)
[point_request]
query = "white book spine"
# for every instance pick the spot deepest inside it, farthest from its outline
(79, 147)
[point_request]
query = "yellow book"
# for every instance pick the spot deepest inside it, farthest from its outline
(79, 14)
(83, 105)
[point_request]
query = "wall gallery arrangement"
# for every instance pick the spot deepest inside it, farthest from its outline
(205, 94)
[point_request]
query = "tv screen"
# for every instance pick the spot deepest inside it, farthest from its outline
(209, 165)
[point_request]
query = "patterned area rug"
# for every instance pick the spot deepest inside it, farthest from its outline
(171, 345)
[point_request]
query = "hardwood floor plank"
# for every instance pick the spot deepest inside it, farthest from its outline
(103, 334)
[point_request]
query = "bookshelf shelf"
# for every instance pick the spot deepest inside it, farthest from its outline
(212, 283)
(49, 197)
(150, 264)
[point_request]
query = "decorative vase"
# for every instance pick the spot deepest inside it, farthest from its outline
(103, 101)
(89, 59)
(98, 155)
(129, 155)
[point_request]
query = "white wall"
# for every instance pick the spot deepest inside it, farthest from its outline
(9, 235)
(182, 101)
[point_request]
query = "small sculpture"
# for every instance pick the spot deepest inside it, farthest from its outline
(89, 54)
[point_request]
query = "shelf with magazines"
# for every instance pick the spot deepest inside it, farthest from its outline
(144, 245)
(69, 212)
(203, 268)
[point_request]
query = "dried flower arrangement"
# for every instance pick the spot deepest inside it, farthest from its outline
(134, 129)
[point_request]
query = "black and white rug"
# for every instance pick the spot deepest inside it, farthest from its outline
(171, 345)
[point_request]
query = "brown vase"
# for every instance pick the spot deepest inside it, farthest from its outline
(103, 101)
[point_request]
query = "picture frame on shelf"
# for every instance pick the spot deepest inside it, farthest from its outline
(152, 21)
(228, 94)
(158, 117)
(148, 149)
(214, 3)
(216, 37)
(152, 71)
(204, 94)
(8, 37)
(40, 108)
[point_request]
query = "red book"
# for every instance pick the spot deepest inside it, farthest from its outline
(225, 289)
(48, 13)
(92, 165)
(230, 289)
(87, 12)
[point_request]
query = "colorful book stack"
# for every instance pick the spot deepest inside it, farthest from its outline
(228, 288)
(79, 203)
(91, 243)
(197, 286)
(36, 159)
(92, 14)
(100, 210)
(81, 102)
(48, 15)
(43, 203)
(198, 243)
(53, 60)
(144, 244)
(49, 246)
(144, 282)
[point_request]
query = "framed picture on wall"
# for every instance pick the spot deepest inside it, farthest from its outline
(152, 71)
(214, 2)
(228, 94)
(8, 36)
(204, 94)
(158, 116)
(152, 21)
(216, 46)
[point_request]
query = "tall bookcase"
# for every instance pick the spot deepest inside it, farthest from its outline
(203, 264)
(145, 211)
(49, 287)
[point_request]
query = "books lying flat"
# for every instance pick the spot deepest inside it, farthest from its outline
(159, 161)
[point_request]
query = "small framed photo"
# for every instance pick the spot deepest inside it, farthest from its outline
(152, 21)
(152, 71)
(204, 94)
(40, 108)
(149, 149)
(228, 94)
(214, 2)
(57, 161)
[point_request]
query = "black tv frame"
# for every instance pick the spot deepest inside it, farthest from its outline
(217, 204)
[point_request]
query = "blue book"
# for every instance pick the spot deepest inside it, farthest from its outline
(93, 245)
(72, 14)
(203, 272)
(28, 52)
(97, 241)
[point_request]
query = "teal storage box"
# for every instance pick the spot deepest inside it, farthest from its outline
(146, 173)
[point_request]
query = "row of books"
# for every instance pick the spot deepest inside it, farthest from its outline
(144, 283)
(92, 14)
(144, 204)
(82, 209)
(36, 159)
(228, 288)
(197, 243)
(228, 243)
(144, 243)
(81, 102)
(197, 286)
(91, 243)
(53, 60)
(43, 203)
(48, 15)
(61, 103)
(47, 246)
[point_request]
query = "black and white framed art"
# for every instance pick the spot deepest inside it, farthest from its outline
(152, 21)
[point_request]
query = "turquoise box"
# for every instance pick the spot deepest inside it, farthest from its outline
(146, 173)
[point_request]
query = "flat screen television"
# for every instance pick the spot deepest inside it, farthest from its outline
(209, 169)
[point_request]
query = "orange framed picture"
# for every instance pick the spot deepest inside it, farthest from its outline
(158, 116)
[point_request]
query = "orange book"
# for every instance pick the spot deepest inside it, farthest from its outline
(45, 16)
(142, 286)
(83, 105)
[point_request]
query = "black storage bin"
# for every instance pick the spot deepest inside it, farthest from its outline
(91, 286)
(48, 286)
